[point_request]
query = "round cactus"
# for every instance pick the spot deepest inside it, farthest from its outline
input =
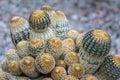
(60, 24)
(95, 46)
(73, 34)
(39, 21)
(36, 46)
(45, 63)
(19, 29)
(76, 70)
(71, 57)
(67, 46)
(110, 68)
(89, 77)
(97, 42)
(27, 65)
(58, 73)
(54, 47)
(12, 55)
(70, 77)
(22, 49)
(61, 63)
(14, 68)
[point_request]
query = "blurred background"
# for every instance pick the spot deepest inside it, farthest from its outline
(83, 15)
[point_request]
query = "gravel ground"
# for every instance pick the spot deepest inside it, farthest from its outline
(83, 15)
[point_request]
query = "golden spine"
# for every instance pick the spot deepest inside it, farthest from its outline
(36, 46)
(95, 45)
(27, 65)
(71, 57)
(58, 73)
(67, 46)
(14, 68)
(76, 70)
(45, 63)
(73, 34)
(39, 21)
(61, 63)
(54, 47)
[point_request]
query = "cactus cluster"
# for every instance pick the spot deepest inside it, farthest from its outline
(46, 49)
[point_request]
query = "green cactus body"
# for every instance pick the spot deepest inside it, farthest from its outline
(95, 46)
(39, 21)
(71, 57)
(45, 63)
(72, 34)
(22, 49)
(36, 46)
(49, 33)
(110, 68)
(60, 24)
(19, 29)
(12, 55)
(54, 47)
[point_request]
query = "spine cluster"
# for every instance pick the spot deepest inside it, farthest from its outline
(46, 49)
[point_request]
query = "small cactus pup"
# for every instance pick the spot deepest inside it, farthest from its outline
(36, 46)
(22, 49)
(72, 34)
(6, 76)
(76, 70)
(70, 77)
(89, 77)
(61, 63)
(11, 55)
(40, 25)
(71, 57)
(27, 65)
(110, 68)
(58, 73)
(95, 46)
(54, 47)
(19, 29)
(68, 45)
(14, 68)
(60, 24)
(45, 63)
